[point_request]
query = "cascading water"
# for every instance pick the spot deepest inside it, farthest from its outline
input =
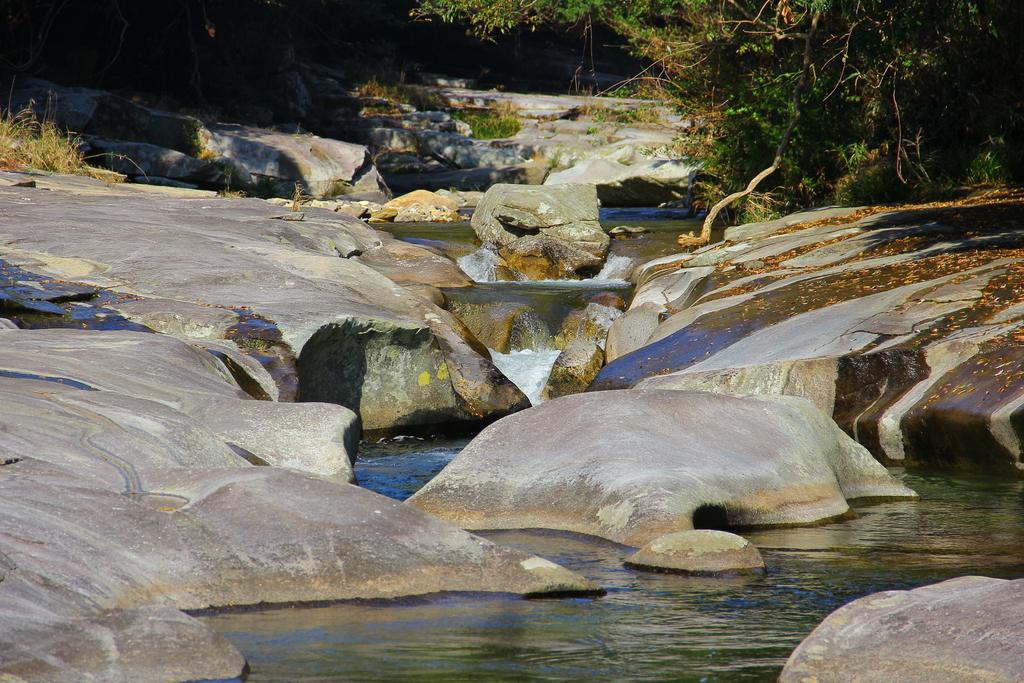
(616, 268)
(528, 369)
(530, 358)
(481, 265)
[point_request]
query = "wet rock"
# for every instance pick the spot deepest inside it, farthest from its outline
(964, 629)
(324, 167)
(504, 326)
(645, 183)
(224, 254)
(574, 369)
(609, 299)
(590, 323)
(543, 258)
(567, 214)
(420, 206)
(669, 461)
(705, 552)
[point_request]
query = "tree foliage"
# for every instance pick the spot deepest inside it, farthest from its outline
(902, 97)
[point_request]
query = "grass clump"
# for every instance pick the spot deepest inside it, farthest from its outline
(641, 114)
(491, 124)
(28, 143)
(420, 97)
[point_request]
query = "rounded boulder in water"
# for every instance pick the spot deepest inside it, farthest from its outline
(703, 552)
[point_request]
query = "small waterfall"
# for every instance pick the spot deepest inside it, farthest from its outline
(615, 268)
(481, 265)
(528, 369)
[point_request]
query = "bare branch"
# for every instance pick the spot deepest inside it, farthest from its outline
(709, 220)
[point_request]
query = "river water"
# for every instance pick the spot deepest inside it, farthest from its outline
(649, 627)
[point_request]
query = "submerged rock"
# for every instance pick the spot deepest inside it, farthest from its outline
(701, 552)
(630, 466)
(903, 325)
(964, 629)
(546, 230)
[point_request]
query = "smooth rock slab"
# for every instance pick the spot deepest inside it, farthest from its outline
(298, 277)
(191, 383)
(966, 629)
(633, 465)
(118, 511)
(700, 552)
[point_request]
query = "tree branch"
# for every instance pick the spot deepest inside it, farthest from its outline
(780, 151)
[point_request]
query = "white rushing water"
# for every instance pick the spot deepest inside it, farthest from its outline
(528, 369)
(482, 266)
(616, 268)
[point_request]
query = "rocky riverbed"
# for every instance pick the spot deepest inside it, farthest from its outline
(187, 378)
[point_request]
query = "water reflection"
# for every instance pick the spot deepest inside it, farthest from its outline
(649, 626)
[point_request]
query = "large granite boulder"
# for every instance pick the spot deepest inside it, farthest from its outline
(646, 183)
(510, 216)
(536, 257)
(904, 325)
(283, 281)
(323, 167)
(630, 466)
(119, 512)
(966, 629)
(313, 437)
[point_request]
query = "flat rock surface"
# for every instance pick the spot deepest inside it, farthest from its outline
(238, 255)
(902, 324)
(965, 629)
(630, 466)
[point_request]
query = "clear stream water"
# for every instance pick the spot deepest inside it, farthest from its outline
(649, 627)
